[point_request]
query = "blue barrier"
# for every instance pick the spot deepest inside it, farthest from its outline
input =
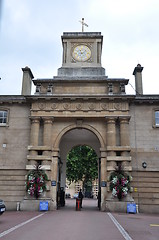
(131, 208)
(44, 206)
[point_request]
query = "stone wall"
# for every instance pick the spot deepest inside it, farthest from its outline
(146, 191)
(12, 187)
(144, 138)
(14, 140)
(144, 141)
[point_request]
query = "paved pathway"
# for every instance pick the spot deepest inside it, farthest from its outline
(68, 224)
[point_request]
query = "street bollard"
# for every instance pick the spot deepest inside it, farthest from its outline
(78, 204)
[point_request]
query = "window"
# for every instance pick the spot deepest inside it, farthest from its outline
(3, 117)
(157, 118)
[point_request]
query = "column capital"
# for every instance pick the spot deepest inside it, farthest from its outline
(124, 119)
(35, 119)
(48, 119)
(111, 119)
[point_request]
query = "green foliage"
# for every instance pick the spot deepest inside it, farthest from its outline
(82, 164)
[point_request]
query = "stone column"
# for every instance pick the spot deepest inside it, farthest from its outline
(111, 137)
(124, 136)
(103, 180)
(54, 177)
(111, 133)
(47, 130)
(124, 131)
(47, 133)
(34, 135)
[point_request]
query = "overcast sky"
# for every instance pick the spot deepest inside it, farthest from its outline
(30, 35)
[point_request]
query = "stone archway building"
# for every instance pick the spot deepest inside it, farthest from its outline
(79, 105)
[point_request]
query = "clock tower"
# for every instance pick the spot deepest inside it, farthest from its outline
(81, 54)
(80, 106)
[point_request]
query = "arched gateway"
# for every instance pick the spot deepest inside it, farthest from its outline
(79, 106)
(75, 136)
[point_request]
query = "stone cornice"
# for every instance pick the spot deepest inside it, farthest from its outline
(85, 97)
(147, 99)
(86, 34)
(12, 99)
(84, 79)
(74, 97)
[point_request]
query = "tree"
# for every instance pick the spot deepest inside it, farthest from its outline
(82, 164)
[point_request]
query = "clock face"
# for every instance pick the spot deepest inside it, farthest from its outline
(81, 53)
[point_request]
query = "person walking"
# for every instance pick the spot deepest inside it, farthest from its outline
(80, 196)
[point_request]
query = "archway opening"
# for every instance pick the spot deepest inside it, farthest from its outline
(80, 166)
(82, 171)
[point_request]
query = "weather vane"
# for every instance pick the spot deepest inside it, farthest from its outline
(83, 24)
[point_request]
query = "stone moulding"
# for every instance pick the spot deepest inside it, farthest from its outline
(42, 148)
(43, 167)
(39, 157)
(118, 158)
(126, 168)
(119, 148)
(81, 106)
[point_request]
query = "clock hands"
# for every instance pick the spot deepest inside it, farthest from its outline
(82, 52)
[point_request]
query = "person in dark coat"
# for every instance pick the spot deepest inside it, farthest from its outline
(80, 196)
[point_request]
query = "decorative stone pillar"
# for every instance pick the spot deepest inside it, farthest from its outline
(124, 136)
(34, 135)
(47, 130)
(111, 137)
(111, 133)
(54, 177)
(124, 131)
(47, 133)
(103, 180)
